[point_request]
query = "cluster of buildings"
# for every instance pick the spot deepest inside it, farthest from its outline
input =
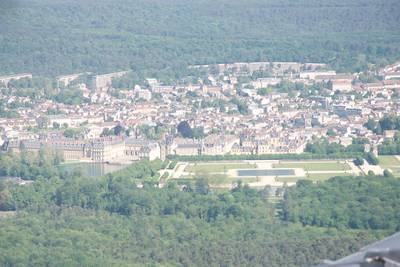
(227, 107)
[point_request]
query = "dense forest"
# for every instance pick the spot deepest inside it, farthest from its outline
(67, 220)
(369, 202)
(75, 223)
(51, 37)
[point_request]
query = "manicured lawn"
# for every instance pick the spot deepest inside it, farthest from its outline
(225, 180)
(312, 177)
(324, 176)
(388, 161)
(289, 179)
(315, 166)
(216, 179)
(207, 168)
(396, 171)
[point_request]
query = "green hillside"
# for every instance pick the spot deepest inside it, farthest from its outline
(60, 36)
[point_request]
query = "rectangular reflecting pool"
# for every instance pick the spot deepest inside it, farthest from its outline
(270, 172)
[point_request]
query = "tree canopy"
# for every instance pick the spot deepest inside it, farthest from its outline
(61, 37)
(66, 219)
(369, 202)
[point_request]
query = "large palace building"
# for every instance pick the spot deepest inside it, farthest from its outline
(107, 149)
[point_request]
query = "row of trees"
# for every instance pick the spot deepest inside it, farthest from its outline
(389, 122)
(323, 146)
(372, 159)
(302, 156)
(390, 147)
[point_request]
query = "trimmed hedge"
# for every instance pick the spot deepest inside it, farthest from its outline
(302, 156)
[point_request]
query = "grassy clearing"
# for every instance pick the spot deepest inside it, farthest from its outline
(314, 166)
(208, 168)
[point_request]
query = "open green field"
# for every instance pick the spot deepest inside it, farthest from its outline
(314, 166)
(390, 162)
(312, 177)
(223, 167)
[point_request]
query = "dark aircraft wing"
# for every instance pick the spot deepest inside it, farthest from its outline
(384, 253)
